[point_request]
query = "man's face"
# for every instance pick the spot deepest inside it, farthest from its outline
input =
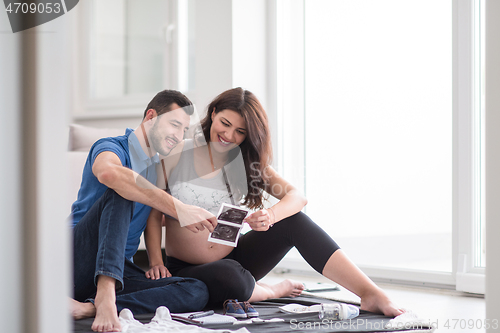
(169, 130)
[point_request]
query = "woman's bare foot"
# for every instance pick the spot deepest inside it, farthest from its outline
(81, 310)
(379, 302)
(286, 288)
(342, 270)
(106, 317)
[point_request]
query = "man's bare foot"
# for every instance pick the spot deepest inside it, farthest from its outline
(106, 318)
(81, 310)
(379, 302)
(286, 288)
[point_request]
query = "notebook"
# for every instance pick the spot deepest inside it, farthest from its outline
(212, 319)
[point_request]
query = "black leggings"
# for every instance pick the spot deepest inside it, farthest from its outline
(257, 253)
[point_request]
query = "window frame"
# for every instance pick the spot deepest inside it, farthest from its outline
(466, 209)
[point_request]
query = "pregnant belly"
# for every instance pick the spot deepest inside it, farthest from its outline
(194, 248)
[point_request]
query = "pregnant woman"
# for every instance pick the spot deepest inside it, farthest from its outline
(235, 135)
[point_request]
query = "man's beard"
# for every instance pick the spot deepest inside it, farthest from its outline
(157, 140)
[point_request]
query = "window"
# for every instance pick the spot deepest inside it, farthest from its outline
(378, 129)
(129, 51)
(127, 47)
(387, 132)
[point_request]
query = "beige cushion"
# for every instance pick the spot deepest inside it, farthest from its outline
(81, 138)
(76, 162)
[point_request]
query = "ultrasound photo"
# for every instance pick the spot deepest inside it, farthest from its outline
(230, 222)
(225, 234)
(233, 215)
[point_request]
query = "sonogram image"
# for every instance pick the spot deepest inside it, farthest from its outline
(225, 232)
(232, 215)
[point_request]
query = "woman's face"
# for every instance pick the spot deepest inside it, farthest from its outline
(228, 130)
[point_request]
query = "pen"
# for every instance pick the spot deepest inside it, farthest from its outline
(201, 314)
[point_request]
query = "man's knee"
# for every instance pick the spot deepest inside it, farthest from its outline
(116, 207)
(196, 294)
(115, 199)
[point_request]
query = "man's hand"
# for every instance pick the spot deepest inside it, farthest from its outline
(195, 218)
(157, 272)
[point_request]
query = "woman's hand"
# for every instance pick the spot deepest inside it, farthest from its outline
(158, 271)
(261, 220)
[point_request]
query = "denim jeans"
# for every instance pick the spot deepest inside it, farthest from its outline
(99, 240)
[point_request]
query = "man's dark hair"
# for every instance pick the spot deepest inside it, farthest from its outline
(164, 99)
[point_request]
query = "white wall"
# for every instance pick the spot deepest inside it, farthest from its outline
(11, 287)
(213, 50)
(51, 245)
(34, 91)
(492, 159)
(250, 31)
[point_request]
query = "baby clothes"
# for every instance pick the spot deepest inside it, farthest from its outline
(162, 322)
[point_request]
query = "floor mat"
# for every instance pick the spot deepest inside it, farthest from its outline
(307, 322)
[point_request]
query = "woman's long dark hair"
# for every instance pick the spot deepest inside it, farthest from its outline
(256, 149)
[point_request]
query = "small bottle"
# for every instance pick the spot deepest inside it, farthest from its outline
(338, 311)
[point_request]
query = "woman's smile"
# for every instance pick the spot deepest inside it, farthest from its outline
(224, 142)
(228, 130)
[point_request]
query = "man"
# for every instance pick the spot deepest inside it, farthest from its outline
(110, 214)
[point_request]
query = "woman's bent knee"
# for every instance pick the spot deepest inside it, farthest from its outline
(231, 281)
